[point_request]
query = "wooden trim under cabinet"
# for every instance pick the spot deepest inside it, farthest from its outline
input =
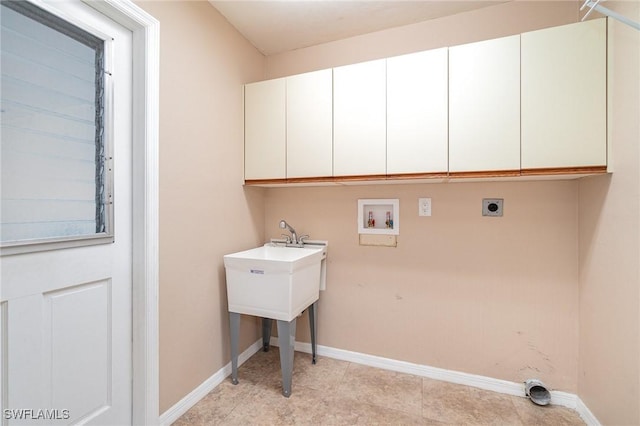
(358, 178)
(485, 174)
(552, 171)
(345, 179)
(557, 172)
(410, 176)
(258, 182)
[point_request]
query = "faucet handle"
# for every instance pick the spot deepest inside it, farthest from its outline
(286, 237)
(302, 238)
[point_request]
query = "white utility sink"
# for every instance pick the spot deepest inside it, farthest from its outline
(274, 281)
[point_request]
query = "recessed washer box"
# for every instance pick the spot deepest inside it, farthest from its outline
(492, 206)
(379, 216)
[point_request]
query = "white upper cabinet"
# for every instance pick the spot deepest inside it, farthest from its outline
(526, 104)
(564, 96)
(264, 130)
(484, 106)
(417, 128)
(310, 124)
(359, 119)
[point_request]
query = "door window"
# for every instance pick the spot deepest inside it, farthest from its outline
(55, 162)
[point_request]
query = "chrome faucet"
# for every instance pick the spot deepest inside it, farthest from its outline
(294, 236)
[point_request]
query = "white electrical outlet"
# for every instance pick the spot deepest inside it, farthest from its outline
(424, 206)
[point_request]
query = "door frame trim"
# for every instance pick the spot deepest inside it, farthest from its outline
(146, 88)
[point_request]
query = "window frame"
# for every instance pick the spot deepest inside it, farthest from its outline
(77, 32)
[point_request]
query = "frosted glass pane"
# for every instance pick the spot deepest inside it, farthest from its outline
(51, 127)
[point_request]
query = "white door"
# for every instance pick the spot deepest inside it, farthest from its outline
(564, 96)
(360, 119)
(417, 113)
(265, 148)
(66, 312)
(310, 124)
(484, 106)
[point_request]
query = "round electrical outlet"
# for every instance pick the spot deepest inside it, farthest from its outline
(492, 206)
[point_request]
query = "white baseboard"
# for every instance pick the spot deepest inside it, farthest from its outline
(564, 399)
(482, 382)
(182, 406)
(586, 414)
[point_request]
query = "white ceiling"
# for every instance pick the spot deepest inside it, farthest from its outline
(279, 26)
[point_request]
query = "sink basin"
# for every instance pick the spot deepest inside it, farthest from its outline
(274, 282)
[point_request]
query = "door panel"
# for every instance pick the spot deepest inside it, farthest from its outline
(66, 313)
(359, 119)
(484, 106)
(564, 96)
(309, 124)
(80, 377)
(417, 112)
(265, 130)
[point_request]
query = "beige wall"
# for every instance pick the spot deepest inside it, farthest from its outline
(490, 296)
(496, 21)
(204, 210)
(609, 213)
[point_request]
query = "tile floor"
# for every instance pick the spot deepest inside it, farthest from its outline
(334, 392)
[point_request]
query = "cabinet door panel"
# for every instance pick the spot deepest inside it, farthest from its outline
(310, 124)
(484, 106)
(264, 132)
(359, 119)
(564, 96)
(417, 127)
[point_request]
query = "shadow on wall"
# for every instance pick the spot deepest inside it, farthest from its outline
(593, 193)
(254, 197)
(249, 326)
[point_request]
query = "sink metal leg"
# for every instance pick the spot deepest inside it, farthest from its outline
(234, 326)
(313, 324)
(266, 334)
(286, 341)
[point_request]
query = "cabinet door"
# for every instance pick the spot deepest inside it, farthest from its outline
(264, 130)
(310, 124)
(564, 96)
(359, 119)
(417, 127)
(484, 106)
